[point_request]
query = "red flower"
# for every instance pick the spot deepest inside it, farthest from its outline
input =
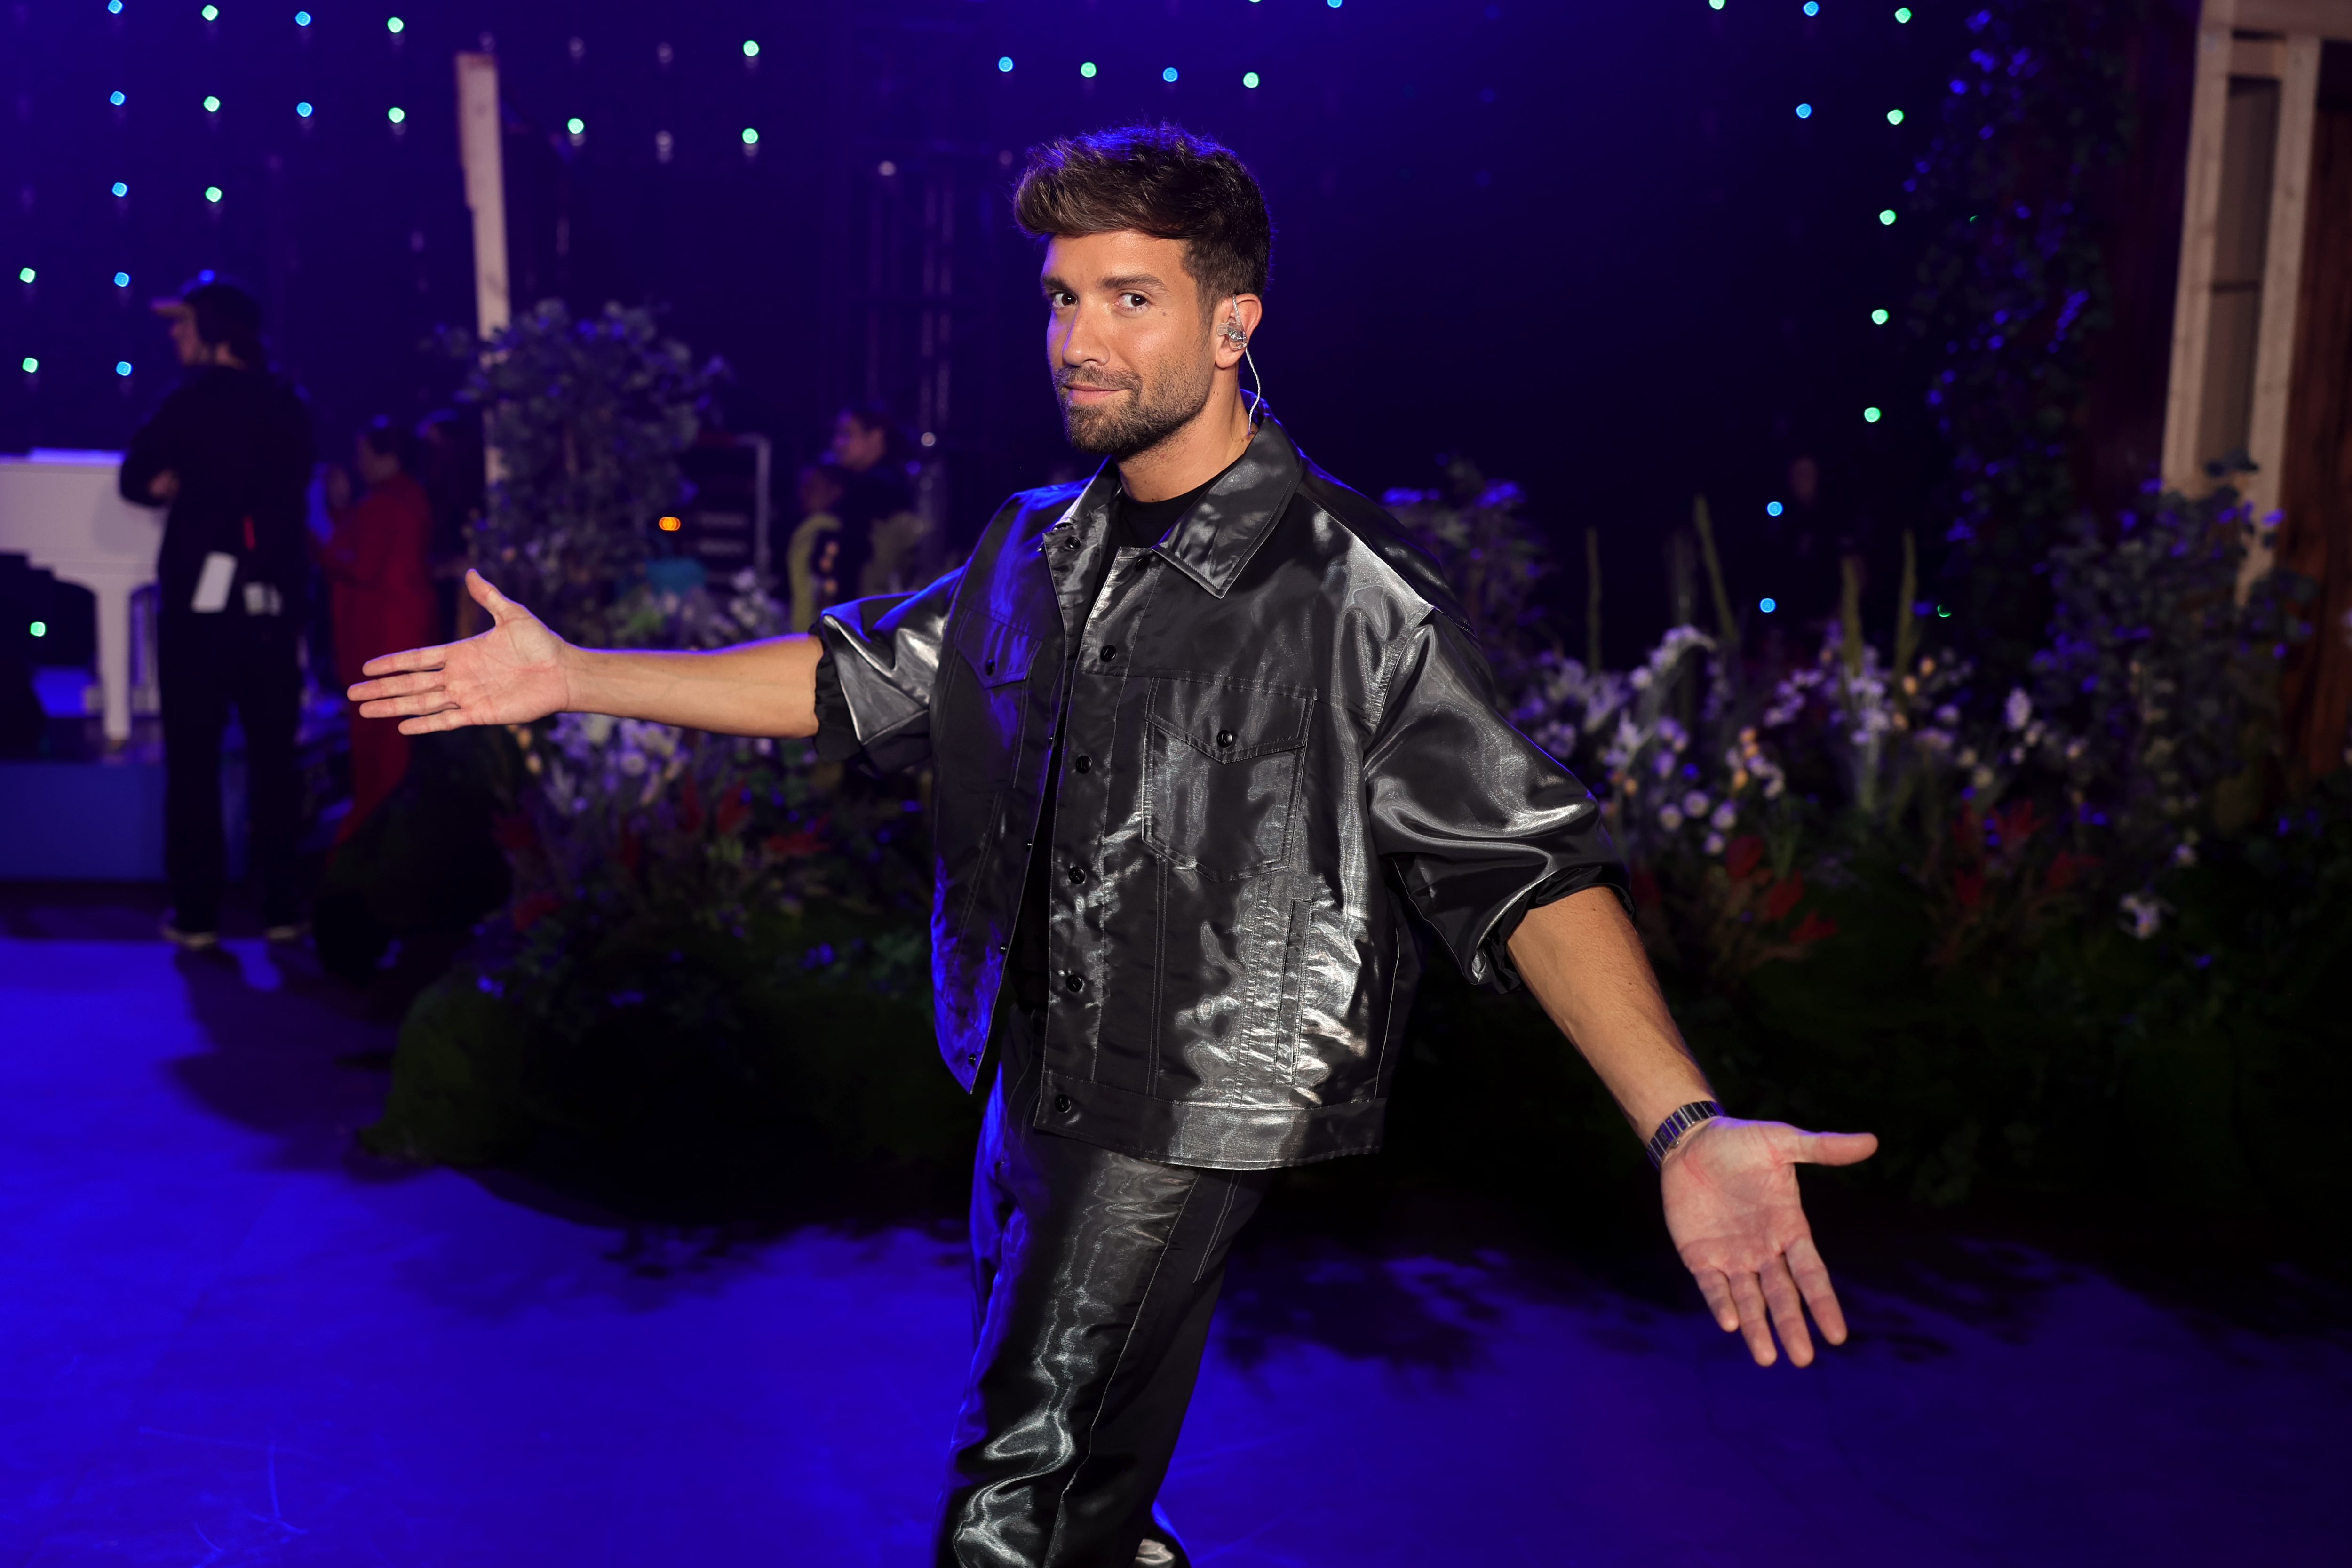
(514, 831)
(1745, 852)
(733, 807)
(2016, 824)
(1812, 927)
(1967, 887)
(790, 846)
(1783, 896)
(1966, 831)
(530, 911)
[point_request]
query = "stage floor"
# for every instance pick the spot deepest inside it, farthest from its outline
(228, 1339)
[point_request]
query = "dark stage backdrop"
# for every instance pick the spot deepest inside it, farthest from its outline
(1622, 253)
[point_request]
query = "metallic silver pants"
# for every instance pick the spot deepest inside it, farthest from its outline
(1094, 1277)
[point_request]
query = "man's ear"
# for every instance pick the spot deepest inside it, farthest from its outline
(1237, 325)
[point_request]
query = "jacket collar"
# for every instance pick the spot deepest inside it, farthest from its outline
(1216, 539)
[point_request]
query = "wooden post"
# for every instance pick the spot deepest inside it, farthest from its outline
(486, 188)
(2275, 335)
(2192, 309)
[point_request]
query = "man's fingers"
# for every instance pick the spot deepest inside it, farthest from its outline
(1717, 1292)
(433, 724)
(1832, 1148)
(1788, 1313)
(397, 686)
(410, 705)
(1812, 1278)
(412, 659)
(1754, 1323)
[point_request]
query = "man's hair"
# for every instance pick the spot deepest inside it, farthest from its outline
(1160, 180)
(225, 313)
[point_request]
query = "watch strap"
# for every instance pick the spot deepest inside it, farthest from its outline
(1679, 1121)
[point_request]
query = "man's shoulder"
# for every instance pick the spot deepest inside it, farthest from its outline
(1356, 523)
(1022, 505)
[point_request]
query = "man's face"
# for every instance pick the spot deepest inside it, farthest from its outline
(1129, 346)
(191, 349)
(854, 447)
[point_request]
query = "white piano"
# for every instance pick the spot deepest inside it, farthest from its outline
(62, 509)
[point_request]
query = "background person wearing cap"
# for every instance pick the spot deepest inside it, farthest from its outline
(230, 453)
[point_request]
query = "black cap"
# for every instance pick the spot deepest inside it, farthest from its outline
(217, 302)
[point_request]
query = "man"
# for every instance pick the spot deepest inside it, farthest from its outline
(1201, 730)
(882, 535)
(377, 562)
(229, 452)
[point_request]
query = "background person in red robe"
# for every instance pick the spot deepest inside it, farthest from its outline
(382, 586)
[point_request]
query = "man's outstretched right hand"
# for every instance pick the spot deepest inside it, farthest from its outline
(511, 674)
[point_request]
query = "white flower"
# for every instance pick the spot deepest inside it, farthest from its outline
(1724, 815)
(2146, 912)
(1714, 843)
(1981, 778)
(1670, 817)
(633, 763)
(2018, 709)
(1947, 716)
(597, 728)
(1968, 757)
(1694, 804)
(2184, 855)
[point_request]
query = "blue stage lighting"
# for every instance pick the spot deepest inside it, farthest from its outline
(31, 364)
(1894, 116)
(114, 7)
(39, 628)
(24, 275)
(1870, 416)
(1249, 79)
(1168, 75)
(212, 13)
(1887, 216)
(213, 193)
(301, 18)
(122, 280)
(751, 137)
(1715, 4)
(394, 25)
(303, 109)
(1943, 613)
(1879, 317)
(1804, 112)
(576, 125)
(1333, 3)
(399, 116)
(1812, 7)
(1903, 13)
(1086, 69)
(212, 104)
(1004, 62)
(122, 367)
(751, 49)
(1767, 605)
(121, 189)
(115, 98)
(1772, 508)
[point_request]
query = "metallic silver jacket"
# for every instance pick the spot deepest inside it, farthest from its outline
(1280, 734)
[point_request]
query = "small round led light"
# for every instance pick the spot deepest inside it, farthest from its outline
(1903, 13)
(24, 275)
(122, 367)
(212, 194)
(396, 114)
(1168, 75)
(1887, 216)
(1249, 79)
(301, 18)
(751, 49)
(121, 189)
(394, 25)
(212, 104)
(212, 13)
(1004, 62)
(39, 628)
(1894, 116)
(670, 524)
(1804, 112)
(576, 125)
(1772, 508)
(1086, 69)
(1767, 605)
(1879, 317)
(303, 109)
(1812, 7)
(751, 137)
(122, 280)
(31, 364)
(1870, 416)
(115, 98)
(114, 7)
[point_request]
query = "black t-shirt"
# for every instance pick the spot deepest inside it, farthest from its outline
(1132, 522)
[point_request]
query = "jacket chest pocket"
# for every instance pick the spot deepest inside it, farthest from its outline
(998, 656)
(1220, 775)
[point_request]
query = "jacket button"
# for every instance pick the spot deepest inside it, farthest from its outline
(1078, 874)
(1084, 764)
(1109, 654)
(1074, 983)
(1062, 1105)
(1224, 737)
(990, 668)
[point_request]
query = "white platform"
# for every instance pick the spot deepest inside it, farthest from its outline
(62, 509)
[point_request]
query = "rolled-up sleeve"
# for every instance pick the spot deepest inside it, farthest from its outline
(873, 683)
(1478, 822)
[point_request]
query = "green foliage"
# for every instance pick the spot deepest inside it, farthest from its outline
(587, 420)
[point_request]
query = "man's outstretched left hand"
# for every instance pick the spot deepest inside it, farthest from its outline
(1730, 1191)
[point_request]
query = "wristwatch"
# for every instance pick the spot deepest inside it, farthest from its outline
(1679, 1121)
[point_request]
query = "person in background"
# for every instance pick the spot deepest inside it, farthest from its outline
(229, 452)
(450, 467)
(812, 559)
(882, 532)
(377, 562)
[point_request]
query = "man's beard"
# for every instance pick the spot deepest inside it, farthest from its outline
(1154, 412)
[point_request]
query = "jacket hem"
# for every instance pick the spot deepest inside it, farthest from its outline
(1207, 1135)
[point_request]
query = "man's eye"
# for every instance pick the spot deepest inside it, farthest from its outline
(1134, 302)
